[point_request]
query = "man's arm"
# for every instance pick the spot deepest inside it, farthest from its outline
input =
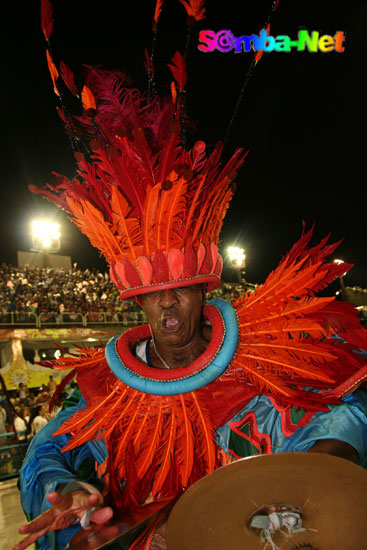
(341, 432)
(45, 472)
(336, 448)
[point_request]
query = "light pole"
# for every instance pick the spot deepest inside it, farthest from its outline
(237, 259)
(341, 280)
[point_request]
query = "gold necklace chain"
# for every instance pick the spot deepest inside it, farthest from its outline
(156, 351)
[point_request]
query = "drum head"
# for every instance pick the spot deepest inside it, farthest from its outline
(331, 492)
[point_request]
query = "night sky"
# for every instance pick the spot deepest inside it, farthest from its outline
(301, 118)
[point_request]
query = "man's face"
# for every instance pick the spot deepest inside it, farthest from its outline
(175, 314)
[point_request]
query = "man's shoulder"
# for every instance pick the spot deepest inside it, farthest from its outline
(95, 379)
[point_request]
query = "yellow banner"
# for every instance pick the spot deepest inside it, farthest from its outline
(33, 379)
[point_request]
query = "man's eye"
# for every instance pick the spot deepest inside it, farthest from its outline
(149, 296)
(153, 294)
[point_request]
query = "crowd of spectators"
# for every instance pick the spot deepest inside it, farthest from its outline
(59, 296)
(24, 412)
(56, 296)
(29, 410)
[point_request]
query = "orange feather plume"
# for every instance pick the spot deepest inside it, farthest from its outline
(86, 358)
(159, 432)
(280, 335)
(88, 99)
(281, 327)
(194, 8)
(139, 436)
(173, 93)
(205, 439)
(127, 229)
(157, 11)
(82, 418)
(211, 205)
(115, 239)
(170, 206)
(53, 72)
(119, 413)
(172, 144)
(185, 451)
(176, 205)
(190, 221)
(288, 369)
(300, 351)
(216, 202)
(121, 431)
(149, 226)
(92, 223)
(219, 216)
(165, 453)
(145, 458)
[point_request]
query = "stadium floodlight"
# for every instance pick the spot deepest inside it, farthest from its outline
(338, 261)
(236, 256)
(45, 236)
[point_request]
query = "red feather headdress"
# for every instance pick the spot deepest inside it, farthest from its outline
(153, 208)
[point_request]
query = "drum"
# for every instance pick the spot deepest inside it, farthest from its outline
(229, 509)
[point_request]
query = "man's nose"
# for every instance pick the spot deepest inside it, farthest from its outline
(167, 298)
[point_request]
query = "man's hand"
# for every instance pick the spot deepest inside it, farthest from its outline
(65, 510)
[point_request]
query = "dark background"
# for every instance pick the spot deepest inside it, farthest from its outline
(302, 118)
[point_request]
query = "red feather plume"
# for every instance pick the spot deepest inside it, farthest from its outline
(68, 78)
(178, 70)
(283, 329)
(47, 23)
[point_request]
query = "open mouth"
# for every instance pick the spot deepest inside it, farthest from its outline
(171, 324)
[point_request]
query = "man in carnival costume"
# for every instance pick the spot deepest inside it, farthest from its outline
(200, 385)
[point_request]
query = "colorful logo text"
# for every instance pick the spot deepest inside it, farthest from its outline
(225, 41)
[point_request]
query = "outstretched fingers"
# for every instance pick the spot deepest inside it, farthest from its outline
(64, 511)
(41, 522)
(30, 539)
(102, 515)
